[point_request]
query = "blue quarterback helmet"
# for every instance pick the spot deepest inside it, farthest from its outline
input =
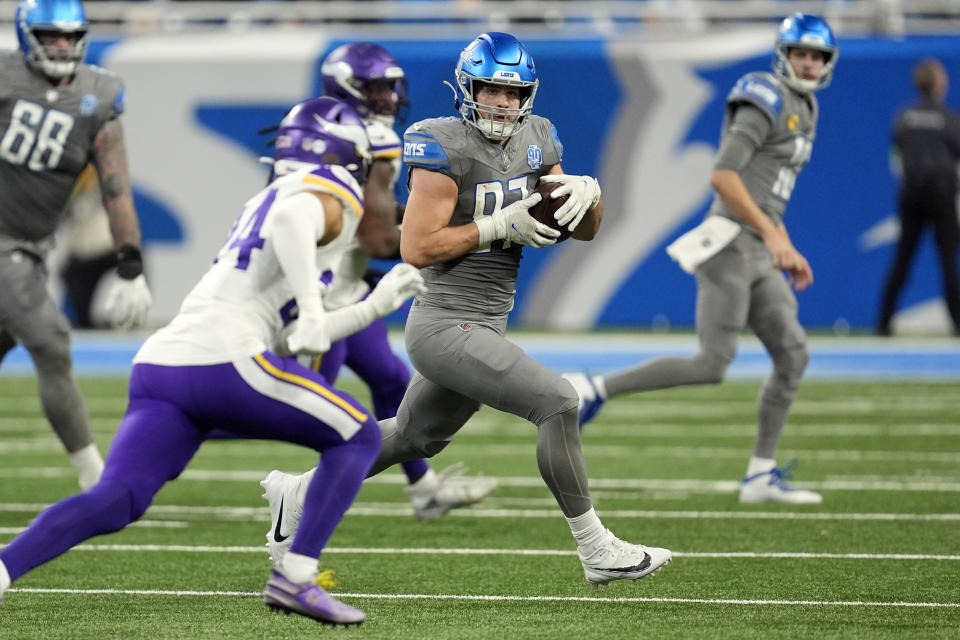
(809, 32)
(500, 59)
(322, 131)
(63, 17)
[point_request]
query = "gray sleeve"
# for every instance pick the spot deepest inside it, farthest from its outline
(748, 128)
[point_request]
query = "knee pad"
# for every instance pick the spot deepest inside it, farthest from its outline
(51, 352)
(791, 360)
(712, 366)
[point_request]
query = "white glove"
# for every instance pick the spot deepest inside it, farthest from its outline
(515, 224)
(128, 302)
(584, 193)
(309, 333)
(402, 282)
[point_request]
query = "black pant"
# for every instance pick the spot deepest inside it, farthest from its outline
(920, 207)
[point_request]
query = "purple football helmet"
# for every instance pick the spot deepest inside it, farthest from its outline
(322, 131)
(368, 78)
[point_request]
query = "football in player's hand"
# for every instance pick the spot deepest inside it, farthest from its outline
(543, 211)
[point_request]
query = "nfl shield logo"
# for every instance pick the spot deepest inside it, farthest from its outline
(534, 157)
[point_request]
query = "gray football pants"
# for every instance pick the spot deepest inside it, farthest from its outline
(462, 363)
(30, 316)
(736, 288)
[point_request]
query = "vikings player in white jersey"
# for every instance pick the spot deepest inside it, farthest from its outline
(212, 368)
(466, 224)
(58, 114)
(768, 134)
(368, 78)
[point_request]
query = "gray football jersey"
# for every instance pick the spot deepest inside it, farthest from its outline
(46, 140)
(783, 149)
(489, 177)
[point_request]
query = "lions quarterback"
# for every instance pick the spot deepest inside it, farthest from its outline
(739, 251)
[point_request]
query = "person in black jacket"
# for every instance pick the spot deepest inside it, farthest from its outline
(926, 136)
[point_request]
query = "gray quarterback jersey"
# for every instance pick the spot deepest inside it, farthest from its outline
(783, 146)
(47, 140)
(489, 177)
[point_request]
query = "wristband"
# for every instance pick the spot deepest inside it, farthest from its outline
(129, 262)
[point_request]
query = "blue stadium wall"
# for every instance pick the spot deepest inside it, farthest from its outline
(643, 116)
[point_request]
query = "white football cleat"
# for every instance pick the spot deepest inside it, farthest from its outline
(590, 398)
(771, 486)
(280, 491)
(616, 559)
(450, 490)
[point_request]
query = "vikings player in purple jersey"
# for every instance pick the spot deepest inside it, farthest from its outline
(767, 139)
(466, 223)
(368, 78)
(212, 367)
(58, 114)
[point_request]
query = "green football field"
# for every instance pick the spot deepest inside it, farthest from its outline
(880, 558)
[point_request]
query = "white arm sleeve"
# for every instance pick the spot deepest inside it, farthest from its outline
(350, 319)
(298, 224)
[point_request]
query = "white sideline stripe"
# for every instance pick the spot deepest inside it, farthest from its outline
(394, 551)
(403, 509)
(441, 596)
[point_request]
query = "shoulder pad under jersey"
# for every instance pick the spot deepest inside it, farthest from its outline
(108, 86)
(545, 130)
(762, 91)
(384, 141)
(427, 143)
(331, 179)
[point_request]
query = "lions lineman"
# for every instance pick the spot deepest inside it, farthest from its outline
(211, 367)
(767, 138)
(466, 222)
(368, 78)
(56, 115)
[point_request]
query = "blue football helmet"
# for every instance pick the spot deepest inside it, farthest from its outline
(64, 17)
(500, 59)
(322, 131)
(366, 77)
(808, 32)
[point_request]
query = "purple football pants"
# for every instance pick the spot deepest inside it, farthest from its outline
(170, 413)
(368, 354)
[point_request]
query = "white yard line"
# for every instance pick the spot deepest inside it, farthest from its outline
(396, 551)
(500, 598)
(403, 510)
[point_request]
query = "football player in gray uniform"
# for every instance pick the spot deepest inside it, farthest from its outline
(472, 179)
(56, 115)
(768, 134)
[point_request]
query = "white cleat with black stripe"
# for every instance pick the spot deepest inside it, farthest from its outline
(619, 560)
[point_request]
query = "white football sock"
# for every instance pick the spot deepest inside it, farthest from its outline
(304, 480)
(89, 465)
(600, 386)
(587, 529)
(426, 482)
(298, 568)
(4, 577)
(760, 465)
